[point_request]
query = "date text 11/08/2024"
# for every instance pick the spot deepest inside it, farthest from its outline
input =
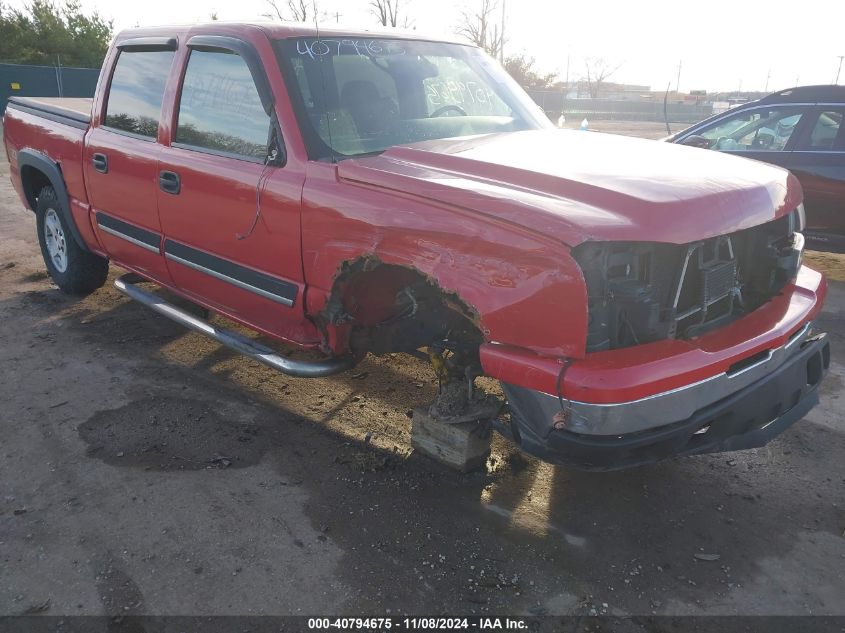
(418, 624)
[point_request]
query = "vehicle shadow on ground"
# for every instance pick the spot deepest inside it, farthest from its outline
(523, 536)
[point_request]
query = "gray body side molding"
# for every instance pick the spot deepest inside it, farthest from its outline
(49, 167)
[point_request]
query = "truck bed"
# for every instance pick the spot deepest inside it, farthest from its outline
(72, 111)
(55, 129)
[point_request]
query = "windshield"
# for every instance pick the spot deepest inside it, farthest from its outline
(361, 96)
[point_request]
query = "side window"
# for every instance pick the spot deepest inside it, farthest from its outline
(220, 109)
(754, 130)
(137, 88)
(728, 126)
(824, 132)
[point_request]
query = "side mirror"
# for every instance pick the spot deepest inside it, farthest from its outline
(696, 141)
(276, 154)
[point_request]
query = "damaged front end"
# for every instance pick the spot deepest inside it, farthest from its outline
(381, 308)
(640, 292)
(672, 326)
(732, 410)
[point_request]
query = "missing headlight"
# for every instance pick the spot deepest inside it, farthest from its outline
(627, 283)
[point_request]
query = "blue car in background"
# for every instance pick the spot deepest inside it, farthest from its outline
(799, 129)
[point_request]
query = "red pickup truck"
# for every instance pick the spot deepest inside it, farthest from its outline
(354, 193)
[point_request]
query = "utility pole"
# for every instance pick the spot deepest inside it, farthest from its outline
(565, 91)
(567, 72)
(678, 83)
(502, 42)
(59, 82)
(838, 70)
(768, 76)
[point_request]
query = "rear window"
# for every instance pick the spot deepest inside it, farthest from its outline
(136, 92)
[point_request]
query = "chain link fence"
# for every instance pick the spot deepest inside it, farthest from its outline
(45, 81)
(555, 103)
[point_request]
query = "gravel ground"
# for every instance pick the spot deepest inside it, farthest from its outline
(145, 470)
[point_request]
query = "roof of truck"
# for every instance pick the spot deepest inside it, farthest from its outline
(284, 30)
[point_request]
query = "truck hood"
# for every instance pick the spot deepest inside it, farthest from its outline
(575, 186)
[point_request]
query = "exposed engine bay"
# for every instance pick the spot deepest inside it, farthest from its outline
(639, 292)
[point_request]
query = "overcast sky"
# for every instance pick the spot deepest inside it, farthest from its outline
(722, 44)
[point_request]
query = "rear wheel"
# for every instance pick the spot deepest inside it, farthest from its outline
(74, 270)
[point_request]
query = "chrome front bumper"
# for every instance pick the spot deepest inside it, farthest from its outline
(677, 404)
(746, 417)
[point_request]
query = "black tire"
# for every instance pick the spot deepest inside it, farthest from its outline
(83, 272)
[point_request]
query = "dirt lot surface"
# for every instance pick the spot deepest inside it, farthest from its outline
(831, 264)
(145, 470)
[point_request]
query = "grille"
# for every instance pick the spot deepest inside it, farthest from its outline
(707, 285)
(640, 292)
(718, 281)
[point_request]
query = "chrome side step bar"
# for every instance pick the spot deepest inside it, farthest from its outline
(241, 344)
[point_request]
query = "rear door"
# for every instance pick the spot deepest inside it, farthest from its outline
(121, 156)
(230, 213)
(818, 161)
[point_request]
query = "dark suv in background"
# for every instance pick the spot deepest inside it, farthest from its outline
(799, 129)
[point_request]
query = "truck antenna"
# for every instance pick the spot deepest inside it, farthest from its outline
(323, 82)
(263, 177)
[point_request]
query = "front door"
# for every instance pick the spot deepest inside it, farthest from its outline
(231, 218)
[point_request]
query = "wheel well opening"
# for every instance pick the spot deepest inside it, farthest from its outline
(392, 308)
(33, 181)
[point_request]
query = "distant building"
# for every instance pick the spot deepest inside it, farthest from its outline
(623, 92)
(608, 90)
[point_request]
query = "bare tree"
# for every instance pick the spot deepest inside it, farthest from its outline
(598, 70)
(481, 28)
(387, 12)
(298, 10)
